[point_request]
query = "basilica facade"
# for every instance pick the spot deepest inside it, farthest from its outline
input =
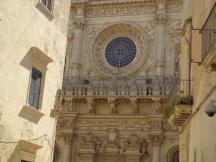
(121, 66)
(107, 81)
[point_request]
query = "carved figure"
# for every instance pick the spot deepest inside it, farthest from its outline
(122, 144)
(112, 135)
(91, 106)
(58, 101)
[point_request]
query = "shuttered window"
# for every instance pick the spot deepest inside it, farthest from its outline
(35, 87)
(48, 4)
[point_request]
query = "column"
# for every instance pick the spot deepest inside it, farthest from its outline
(67, 147)
(78, 39)
(156, 140)
(160, 20)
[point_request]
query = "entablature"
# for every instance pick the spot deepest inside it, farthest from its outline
(105, 8)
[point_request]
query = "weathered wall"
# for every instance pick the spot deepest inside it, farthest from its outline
(198, 136)
(23, 26)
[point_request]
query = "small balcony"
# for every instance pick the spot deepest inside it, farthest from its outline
(134, 87)
(209, 40)
(182, 111)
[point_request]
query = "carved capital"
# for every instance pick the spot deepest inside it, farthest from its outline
(68, 138)
(161, 18)
(79, 23)
(156, 138)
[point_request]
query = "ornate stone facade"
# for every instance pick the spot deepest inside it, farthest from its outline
(114, 113)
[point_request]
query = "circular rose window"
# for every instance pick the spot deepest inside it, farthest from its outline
(120, 52)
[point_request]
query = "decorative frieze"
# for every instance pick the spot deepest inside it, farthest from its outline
(120, 9)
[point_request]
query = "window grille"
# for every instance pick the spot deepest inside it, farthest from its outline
(35, 87)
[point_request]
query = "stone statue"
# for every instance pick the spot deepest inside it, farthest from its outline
(58, 101)
(122, 144)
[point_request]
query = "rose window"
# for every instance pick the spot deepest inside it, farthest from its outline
(120, 52)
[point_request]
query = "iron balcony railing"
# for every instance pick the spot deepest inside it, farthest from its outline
(209, 32)
(137, 86)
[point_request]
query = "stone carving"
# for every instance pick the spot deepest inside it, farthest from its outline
(65, 123)
(156, 138)
(122, 144)
(79, 23)
(112, 135)
(68, 137)
(138, 36)
(91, 106)
(157, 106)
(112, 104)
(143, 147)
(134, 105)
(156, 124)
(121, 9)
(160, 18)
(58, 102)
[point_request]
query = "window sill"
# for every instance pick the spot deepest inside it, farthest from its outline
(31, 113)
(45, 11)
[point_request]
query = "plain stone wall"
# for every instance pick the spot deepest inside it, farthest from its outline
(23, 26)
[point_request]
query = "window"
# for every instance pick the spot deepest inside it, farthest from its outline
(173, 154)
(175, 157)
(48, 4)
(35, 88)
(46, 8)
(24, 161)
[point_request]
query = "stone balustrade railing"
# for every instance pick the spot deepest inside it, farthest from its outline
(139, 86)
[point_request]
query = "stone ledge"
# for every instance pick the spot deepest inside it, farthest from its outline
(181, 114)
(31, 113)
(44, 10)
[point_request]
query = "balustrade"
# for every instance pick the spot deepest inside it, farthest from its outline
(151, 86)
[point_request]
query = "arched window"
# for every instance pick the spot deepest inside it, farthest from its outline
(173, 154)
